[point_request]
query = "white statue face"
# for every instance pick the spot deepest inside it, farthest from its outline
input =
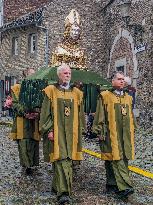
(75, 32)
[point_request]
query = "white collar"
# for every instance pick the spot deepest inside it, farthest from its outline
(65, 87)
(119, 92)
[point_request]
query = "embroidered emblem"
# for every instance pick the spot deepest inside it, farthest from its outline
(123, 110)
(67, 111)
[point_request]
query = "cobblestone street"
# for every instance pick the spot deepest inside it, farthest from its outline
(89, 178)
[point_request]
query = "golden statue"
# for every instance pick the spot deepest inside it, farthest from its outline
(69, 51)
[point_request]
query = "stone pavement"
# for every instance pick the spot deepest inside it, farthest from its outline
(89, 180)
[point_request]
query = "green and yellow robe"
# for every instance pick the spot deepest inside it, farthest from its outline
(62, 112)
(25, 131)
(114, 122)
(116, 128)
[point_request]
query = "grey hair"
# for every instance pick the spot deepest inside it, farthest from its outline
(114, 75)
(127, 80)
(61, 67)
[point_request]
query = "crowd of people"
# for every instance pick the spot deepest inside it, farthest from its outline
(61, 124)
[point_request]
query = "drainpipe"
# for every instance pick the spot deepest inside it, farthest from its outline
(46, 53)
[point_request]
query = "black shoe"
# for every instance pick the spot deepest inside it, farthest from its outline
(125, 193)
(29, 171)
(111, 189)
(64, 199)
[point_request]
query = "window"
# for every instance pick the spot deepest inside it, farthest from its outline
(1, 13)
(7, 85)
(120, 65)
(32, 43)
(15, 46)
(120, 68)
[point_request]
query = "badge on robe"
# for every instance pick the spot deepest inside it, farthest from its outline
(67, 111)
(123, 110)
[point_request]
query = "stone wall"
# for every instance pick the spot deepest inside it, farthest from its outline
(14, 65)
(54, 19)
(122, 50)
(140, 14)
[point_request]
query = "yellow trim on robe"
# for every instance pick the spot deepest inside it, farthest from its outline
(20, 133)
(112, 123)
(132, 131)
(75, 154)
(50, 91)
(16, 90)
(56, 145)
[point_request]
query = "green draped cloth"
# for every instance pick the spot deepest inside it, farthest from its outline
(91, 83)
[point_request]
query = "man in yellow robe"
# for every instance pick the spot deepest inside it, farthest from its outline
(62, 120)
(25, 130)
(114, 124)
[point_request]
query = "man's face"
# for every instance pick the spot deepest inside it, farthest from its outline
(30, 72)
(75, 32)
(118, 82)
(65, 75)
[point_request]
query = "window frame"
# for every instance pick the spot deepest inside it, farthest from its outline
(1, 12)
(120, 68)
(122, 62)
(15, 46)
(32, 43)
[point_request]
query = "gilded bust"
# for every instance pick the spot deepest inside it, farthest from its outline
(69, 50)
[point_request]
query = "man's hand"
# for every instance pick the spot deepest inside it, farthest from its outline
(32, 115)
(51, 136)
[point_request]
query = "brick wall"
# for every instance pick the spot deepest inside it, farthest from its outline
(16, 8)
